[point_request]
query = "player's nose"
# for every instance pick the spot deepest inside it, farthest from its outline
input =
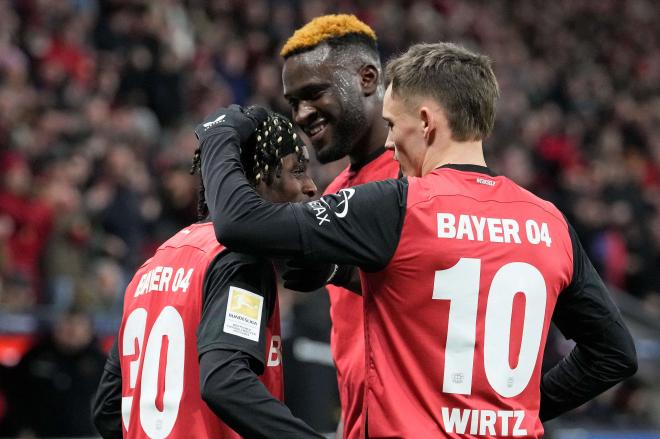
(309, 187)
(389, 143)
(305, 114)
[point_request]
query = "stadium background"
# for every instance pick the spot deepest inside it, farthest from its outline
(97, 104)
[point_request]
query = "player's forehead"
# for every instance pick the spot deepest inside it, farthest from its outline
(310, 68)
(293, 160)
(388, 103)
(304, 156)
(395, 105)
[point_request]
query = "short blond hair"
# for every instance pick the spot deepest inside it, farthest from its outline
(326, 28)
(461, 81)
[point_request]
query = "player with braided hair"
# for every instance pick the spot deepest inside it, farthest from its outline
(273, 141)
(272, 150)
(333, 81)
(219, 372)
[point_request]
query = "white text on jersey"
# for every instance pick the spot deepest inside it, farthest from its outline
(161, 279)
(504, 230)
(484, 422)
(320, 211)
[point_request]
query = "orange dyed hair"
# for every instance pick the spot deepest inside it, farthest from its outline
(324, 28)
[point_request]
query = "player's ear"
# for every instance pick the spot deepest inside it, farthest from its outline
(369, 78)
(427, 122)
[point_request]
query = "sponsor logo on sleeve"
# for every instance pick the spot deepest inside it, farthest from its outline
(243, 316)
(320, 211)
(321, 207)
(347, 194)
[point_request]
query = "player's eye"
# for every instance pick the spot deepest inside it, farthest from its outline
(316, 95)
(299, 170)
(313, 93)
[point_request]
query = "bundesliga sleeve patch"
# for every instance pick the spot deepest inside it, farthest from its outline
(243, 317)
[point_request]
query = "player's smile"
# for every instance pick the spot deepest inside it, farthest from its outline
(316, 132)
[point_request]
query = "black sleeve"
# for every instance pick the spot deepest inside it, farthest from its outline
(236, 274)
(232, 350)
(604, 353)
(232, 390)
(358, 226)
(106, 406)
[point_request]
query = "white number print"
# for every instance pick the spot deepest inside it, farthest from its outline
(167, 328)
(460, 285)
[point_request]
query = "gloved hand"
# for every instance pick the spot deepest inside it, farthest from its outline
(299, 275)
(242, 120)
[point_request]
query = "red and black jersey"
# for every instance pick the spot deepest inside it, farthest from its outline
(347, 335)
(462, 272)
(456, 322)
(199, 348)
(163, 332)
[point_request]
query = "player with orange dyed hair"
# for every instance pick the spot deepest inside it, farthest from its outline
(333, 81)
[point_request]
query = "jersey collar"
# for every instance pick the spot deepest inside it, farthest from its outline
(469, 168)
(354, 167)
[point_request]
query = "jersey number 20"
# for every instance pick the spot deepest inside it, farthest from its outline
(157, 422)
(460, 285)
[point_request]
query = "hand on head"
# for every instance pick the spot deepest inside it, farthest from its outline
(242, 120)
(265, 139)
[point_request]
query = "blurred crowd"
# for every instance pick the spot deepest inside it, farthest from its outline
(98, 100)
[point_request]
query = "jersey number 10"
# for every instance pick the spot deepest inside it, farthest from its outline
(460, 285)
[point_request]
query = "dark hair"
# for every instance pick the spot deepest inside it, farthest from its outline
(202, 207)
(462, 82)
(261, 155)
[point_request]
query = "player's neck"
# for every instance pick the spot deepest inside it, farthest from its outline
(373, 140)
(459, 153)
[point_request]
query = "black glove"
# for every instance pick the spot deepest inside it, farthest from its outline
(242, 120)
(299, 275)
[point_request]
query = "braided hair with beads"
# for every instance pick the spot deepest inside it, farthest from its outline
(261, 155)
